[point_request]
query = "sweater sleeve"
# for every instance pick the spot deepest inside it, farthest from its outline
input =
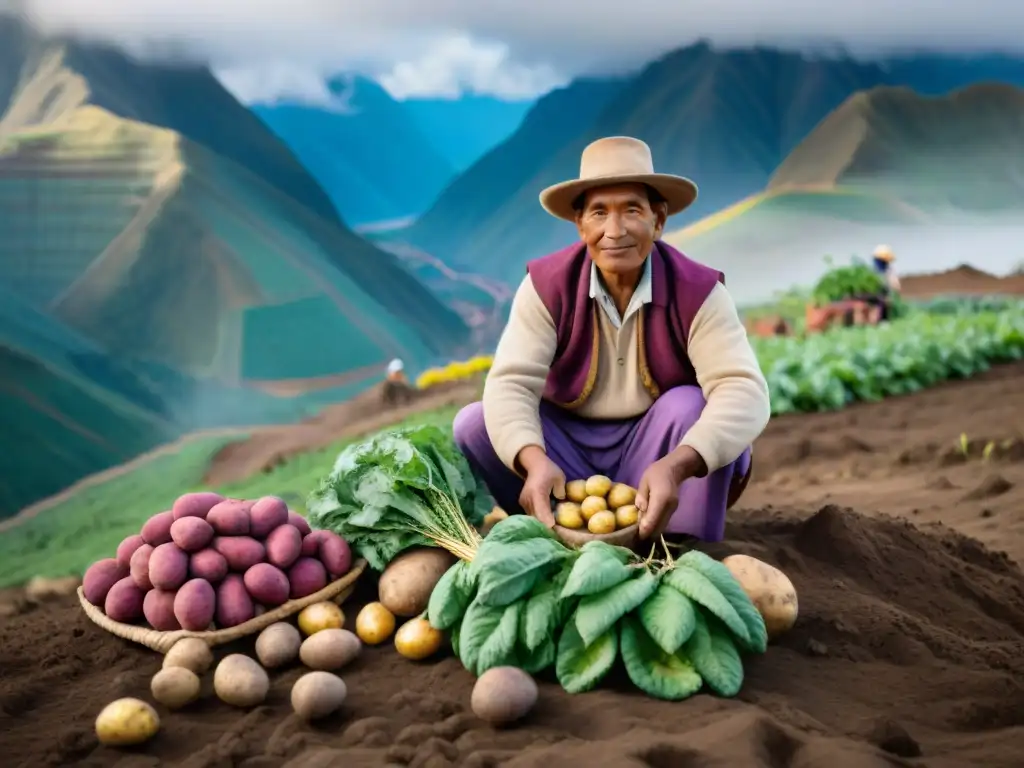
(515, 383)
(730, 377)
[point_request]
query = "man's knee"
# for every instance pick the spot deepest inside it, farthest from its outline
(468, 427)
(682, 405)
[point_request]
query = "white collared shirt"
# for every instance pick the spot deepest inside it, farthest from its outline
(642, 295)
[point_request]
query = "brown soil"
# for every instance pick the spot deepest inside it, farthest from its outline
(909, 649)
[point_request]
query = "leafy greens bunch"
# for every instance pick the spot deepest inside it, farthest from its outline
(399, 489)
(527, 600)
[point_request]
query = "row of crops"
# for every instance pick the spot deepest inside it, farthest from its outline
(945, 339)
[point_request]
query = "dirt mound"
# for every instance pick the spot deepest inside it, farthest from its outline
(963, 280)
(909, 643)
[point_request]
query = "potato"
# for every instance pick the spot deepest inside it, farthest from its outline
(503, 695)
(311, 543)
(267, 514)
(124, 600)
(284, 544)
(168, 565)
(598, 485)
(620, 495)
(126, 722)
(592, 505)
(267, 583)
(330, 649)
(230, 518)
(192, 654)
(405, 586)
(158, 608)
(294, 518)
(157, 530)
(417, 639)
(127, 548)
(241, 552)
(195, 504)
(278, 645)
(208, 564)
(175, 687)
(769, 589)
(240, 681)
(374, 624)
(602, 522)
(306, 576)
(234, 603)
(491, 519)
(318, 694)
(191, 533)
(576, 490)
(569, 515)
(139, 566)
(100, 577)
(194, 605)
(320, 616)
(626, 516)
(335, 554)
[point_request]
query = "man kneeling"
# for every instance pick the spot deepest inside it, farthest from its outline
(621, 357)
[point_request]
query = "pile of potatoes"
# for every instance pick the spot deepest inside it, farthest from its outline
(211, 563)
(597, 503)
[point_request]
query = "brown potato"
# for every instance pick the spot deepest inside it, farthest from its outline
(330, 649)
(278, 645)
(317, 694)
(769, 589)
(503, 695)
(405, 586)
(175, 687)
(240, 681)
(192, 654)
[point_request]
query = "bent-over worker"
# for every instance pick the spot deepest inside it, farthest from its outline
(621, 357)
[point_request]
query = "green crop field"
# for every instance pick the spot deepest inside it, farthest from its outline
(822, 372)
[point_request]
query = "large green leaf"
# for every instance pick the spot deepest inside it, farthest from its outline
(581, 667)
(499, 648)
(536, 661)
(507, 577)
(480, 622)
(699, 588)
(713, 654)
(598, 613)
(669, 617)
(596, 570)
(450, 597)
(517, 528)
(731, 590)
(540, 616)
(662, 675)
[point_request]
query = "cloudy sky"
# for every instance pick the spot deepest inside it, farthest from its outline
(266, 49)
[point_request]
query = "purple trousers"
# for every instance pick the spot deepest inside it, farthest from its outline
(621, 450)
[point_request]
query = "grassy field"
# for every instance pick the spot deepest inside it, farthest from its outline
(66, 538)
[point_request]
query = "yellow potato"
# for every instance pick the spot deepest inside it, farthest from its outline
(602, 522)
(569, 515)
(769, 589)
(417, 640)
(375, 624)
(126, 722)
(174, 687)
(576, 490)
(491, 519)
(598, 485)
(621, 495)
(592, 505)
(320, 616)
(626, 515)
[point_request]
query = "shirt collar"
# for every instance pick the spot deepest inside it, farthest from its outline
(642, 295)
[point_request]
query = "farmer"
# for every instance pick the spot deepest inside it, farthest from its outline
(621, 357)
(882, 259)
(396, 372)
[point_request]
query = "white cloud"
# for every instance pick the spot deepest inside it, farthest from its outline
(421, 47)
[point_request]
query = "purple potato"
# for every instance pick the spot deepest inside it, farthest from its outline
(208, 564)
(139, 566)
(234, 604)
(100, 577)
(284, 545)
(307, 576)
(294, 518)
(335, 554)
(127, 548)
(241, 552)
(230, 517)
(195, 504)
(311, 543)
(191, 533)
(157, 529)
(158, 608)
(267, 584)
(195, 604)
(168, 567)
(267, 514)
(124, 600)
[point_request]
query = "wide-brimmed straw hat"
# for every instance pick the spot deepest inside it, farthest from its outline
(883, 253)
(617, 160)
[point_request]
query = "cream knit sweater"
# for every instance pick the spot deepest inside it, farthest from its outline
(727, 370)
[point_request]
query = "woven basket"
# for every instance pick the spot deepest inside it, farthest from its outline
(161, 642)
(624, 537)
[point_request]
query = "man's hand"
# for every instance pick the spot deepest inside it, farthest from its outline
(658, 494)
(544, 479)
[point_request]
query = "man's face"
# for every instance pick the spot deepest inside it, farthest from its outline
(619, 226)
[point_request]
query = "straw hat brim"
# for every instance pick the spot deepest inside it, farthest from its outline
(678, 191)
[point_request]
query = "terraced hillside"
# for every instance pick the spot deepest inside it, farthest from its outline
(182, 267)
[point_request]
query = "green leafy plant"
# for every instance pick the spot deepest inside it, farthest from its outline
(846, 282)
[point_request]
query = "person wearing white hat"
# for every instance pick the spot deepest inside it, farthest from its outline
(882, 258)
(621, 357)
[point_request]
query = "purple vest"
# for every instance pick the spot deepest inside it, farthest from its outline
(679, 288)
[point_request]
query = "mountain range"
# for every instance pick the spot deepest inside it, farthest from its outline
(167, 264)
(381, 160)
(730, 119)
